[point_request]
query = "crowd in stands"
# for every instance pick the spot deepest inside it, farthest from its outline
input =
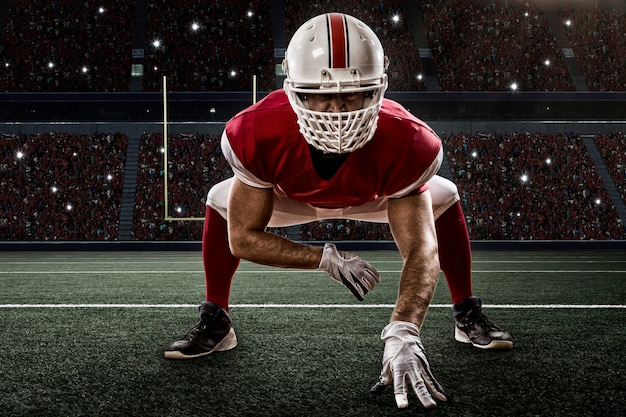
(490, 46)
(598, 39)
(209, 46)
(530, 186)
(68, 45)
(60, 186)
(72, 45)
(613, 149)
(195, 163)
(521, 186)
(339, 229)
(394, 34)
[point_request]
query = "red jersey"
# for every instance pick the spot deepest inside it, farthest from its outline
(264, 142)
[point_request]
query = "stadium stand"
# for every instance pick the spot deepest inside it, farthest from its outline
(530, 186)
(613, 150)
(476, 46)
(521, 186)
(209, 47)
(67, 46)
(198, 164)
(58, 186)
(490, 47)
(597, 37)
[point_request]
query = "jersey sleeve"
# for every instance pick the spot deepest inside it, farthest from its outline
(421, 184)
(243, 174)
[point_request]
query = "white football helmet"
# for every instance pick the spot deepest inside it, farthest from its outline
(335, 53)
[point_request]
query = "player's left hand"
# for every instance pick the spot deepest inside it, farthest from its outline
(350, 270)
(404, 361)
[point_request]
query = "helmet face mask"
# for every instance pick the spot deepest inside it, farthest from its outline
(335, 54)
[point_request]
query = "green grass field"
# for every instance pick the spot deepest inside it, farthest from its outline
(83, 334)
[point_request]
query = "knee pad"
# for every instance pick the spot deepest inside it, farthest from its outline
(444, 194)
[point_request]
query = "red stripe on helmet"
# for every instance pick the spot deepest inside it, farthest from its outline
(338, 41)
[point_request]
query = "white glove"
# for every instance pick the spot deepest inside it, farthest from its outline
(404, 359)
(350, 270)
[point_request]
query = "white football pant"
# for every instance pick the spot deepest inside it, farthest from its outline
(289, 212)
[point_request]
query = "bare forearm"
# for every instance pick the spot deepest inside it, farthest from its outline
(417, 285)
(273, 250)
(413, 227)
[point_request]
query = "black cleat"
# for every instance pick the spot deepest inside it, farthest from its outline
(213, 333)
(472, 326)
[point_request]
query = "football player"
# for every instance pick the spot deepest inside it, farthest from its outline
(329, 145)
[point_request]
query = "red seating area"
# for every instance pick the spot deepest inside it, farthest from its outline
(521, 186)
(59, 186)
(490, 46)
(50, 46)
(530, 186)
(598, 39)
(345, 230)
(196, 163)
(209, 46)
(613, 149)
(67, 45)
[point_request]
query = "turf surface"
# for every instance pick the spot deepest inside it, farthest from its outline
(564, 309)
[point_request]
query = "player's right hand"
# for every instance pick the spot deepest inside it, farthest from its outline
(404, 361)
(350, 270)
